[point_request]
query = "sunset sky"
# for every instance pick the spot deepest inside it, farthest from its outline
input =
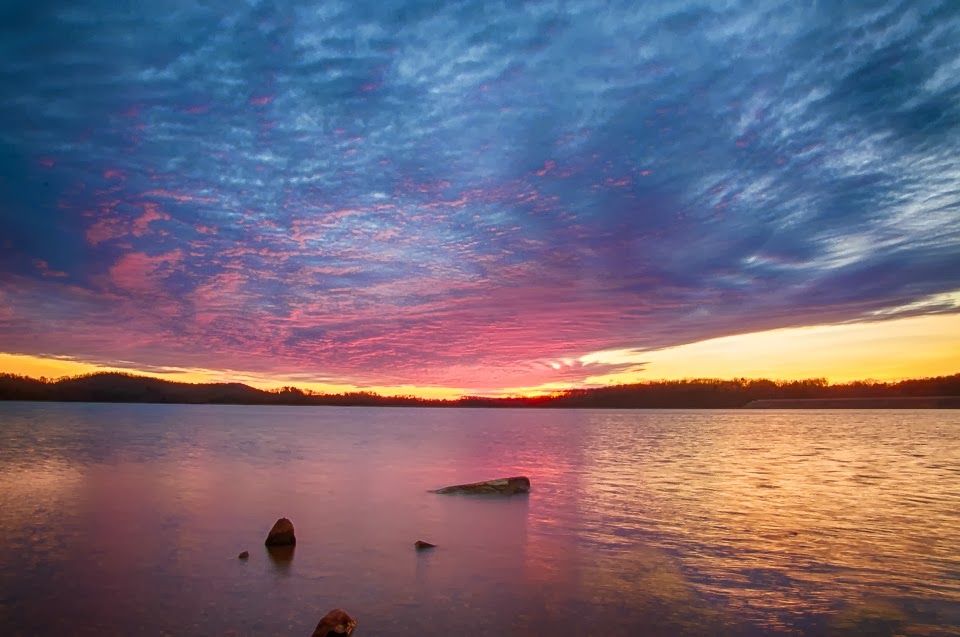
(441, 198)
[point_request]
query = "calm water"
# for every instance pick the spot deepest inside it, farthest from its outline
(127, 520)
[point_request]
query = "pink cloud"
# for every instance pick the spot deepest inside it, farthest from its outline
(547, 167)
(386, 235)
(44, 268)
(218, 296)
(106, 228)
(141, 225)
(139, 272)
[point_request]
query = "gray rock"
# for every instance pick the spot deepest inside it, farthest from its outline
(502, 486)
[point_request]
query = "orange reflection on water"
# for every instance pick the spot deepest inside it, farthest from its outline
(780, 514)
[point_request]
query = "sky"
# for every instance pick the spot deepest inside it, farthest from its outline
(440, 198)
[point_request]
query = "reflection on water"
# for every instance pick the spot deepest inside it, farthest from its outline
(129, 518)
(281, 557)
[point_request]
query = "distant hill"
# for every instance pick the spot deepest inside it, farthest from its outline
(139, 389)
(941, 391)
(126, 388)
(114, 387)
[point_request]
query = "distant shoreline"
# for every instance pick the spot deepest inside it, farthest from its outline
(941, 392)
(813, 404)
(895, 402)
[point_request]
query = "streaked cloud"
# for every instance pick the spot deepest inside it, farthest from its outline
(468, 195)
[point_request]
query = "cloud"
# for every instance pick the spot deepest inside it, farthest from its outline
(139, 272)
(462, 194)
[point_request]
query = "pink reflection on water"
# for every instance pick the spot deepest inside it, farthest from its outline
(129, 519)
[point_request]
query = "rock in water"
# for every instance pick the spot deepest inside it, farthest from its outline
(244, 555)
(281, 534)
(503, 486)
(336, 622)
(281, 556)
(420, 544)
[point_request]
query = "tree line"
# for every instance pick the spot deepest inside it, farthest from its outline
(689, 393)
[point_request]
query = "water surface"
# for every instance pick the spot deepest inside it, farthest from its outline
(127, 519)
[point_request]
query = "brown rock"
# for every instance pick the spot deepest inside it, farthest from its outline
(420, 544)
(336, 622)
(503, 486)
(281, 534)
(244, 555)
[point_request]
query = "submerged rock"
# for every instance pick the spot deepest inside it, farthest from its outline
(502, 486)
(281, 534)
(420, 544)
(244, 555)
(336, 622)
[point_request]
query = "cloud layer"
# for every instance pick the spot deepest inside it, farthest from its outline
(467, 193)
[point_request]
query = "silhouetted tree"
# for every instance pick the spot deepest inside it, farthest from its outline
(687, 393)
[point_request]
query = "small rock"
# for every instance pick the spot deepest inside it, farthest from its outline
(420, 544)
(244, 555)
(502, 486)
(336, 622)
(281, 534)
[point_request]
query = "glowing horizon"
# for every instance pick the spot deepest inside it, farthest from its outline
(839, 353)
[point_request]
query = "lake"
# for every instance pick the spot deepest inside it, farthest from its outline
(128, 519)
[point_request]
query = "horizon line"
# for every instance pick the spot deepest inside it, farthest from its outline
(821, 380)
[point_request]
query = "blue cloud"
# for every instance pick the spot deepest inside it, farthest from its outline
(415, 185)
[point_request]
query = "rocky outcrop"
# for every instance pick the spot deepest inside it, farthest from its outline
(281, 534)
(336, 622)
(421, 545)
(503, 486)
(244, 555)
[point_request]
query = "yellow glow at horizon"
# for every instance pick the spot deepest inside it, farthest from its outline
(889, 350)
(884, 350)
(37, 366)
